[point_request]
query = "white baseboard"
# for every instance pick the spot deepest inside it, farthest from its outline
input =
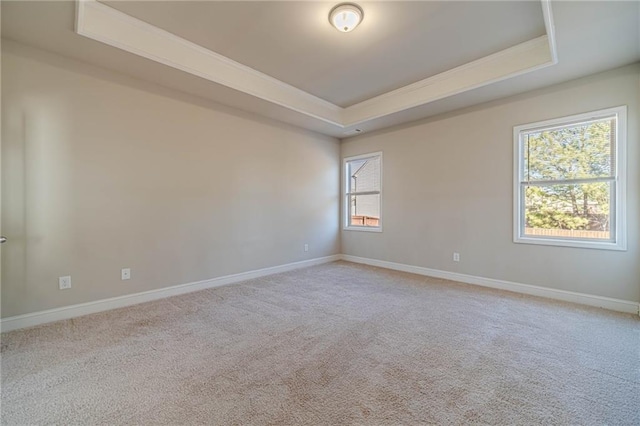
(73, 311)
(567, 296)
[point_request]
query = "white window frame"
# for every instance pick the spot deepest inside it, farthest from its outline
(345, 194)
(618, 204)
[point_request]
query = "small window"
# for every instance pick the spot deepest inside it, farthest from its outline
(570, 181)
(363, 192)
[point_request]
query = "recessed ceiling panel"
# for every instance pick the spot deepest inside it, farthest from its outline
(397, 43)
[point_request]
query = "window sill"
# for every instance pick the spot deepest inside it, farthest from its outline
(571, 243)
(362, 228)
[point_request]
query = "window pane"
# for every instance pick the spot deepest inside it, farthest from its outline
(364, 210)
(568, 211)
(576, 152)
(364, 175)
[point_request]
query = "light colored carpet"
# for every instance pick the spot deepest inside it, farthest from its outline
(334, 344)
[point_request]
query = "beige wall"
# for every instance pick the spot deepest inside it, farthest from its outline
(448, 187)
(101, 172)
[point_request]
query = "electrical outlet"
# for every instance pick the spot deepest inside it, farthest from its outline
(64, 282)
(456, 257)
(125, 274)
(306, 247)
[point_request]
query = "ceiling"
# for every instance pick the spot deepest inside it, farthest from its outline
(407, 60)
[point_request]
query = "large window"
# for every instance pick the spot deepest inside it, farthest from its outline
(570, 181)
(363, 192)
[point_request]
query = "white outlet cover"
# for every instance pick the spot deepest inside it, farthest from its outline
(126, 274)
(64, 283)
(306, 247)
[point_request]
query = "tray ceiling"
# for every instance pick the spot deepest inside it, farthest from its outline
(397, 44)
(102, 23)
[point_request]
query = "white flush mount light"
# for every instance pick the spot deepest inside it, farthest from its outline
(346, 16)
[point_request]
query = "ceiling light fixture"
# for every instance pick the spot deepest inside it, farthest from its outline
(346, 17)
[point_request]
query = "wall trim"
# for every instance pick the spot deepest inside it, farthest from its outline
(73, 311)
(532, 290)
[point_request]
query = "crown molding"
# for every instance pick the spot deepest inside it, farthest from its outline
(522, 58)
(104, 24)
(550, 29)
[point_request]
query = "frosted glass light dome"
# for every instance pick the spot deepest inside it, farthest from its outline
(345, 17)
